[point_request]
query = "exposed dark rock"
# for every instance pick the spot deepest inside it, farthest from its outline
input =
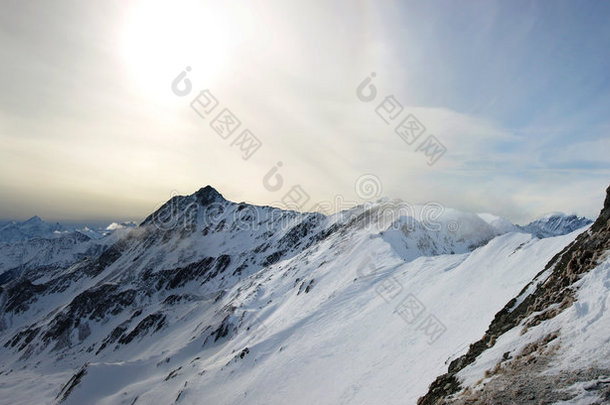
(548, 299)
(222, 262)
(10, 275)
(223, 329)
(177, 298)
(208, 194)
(25, 337)
(153, 321)
(512, 381)
(240, 269)
(183, 275)
(94, 304)
(173, 374)
(67, 389)
(104, 260)
(188, 206)
(298, 234)
(114, 336)
(21, 294)
(273, 258)
(305, 286)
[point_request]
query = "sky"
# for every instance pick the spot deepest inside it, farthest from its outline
(104, 104)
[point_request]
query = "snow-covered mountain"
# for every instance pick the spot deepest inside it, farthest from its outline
(555, 224)
(40, 254)
(34, 227)
(549, 344)
(35, 245)
(211, 301)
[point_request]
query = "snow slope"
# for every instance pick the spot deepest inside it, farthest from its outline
(549, 344)
(580, 342)
(211, 301)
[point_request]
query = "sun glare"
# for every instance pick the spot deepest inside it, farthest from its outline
(160, 38)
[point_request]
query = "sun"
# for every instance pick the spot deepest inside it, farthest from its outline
(160, 38)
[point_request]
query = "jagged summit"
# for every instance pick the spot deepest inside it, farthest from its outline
(34, 219)
(208, 194)
(183, 207)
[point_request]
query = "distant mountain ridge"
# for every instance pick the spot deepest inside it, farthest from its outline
(36, 227)
(34, 244)
(554, 225)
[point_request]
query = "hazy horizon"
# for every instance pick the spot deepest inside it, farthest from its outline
(103, 221)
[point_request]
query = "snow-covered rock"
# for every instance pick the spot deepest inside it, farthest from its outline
(549, 344)
(211, 301)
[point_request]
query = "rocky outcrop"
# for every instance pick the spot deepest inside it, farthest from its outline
(549, 298)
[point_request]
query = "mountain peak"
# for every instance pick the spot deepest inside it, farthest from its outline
(178, 206)
(34, 219)
(208, 194)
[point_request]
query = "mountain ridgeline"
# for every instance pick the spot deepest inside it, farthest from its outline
(212, 301)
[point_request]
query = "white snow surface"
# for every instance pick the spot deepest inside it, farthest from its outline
(368, 316)
(582, 329)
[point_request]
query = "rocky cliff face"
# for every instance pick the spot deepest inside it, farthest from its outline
(550, 293)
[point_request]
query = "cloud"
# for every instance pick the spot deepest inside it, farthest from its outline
(82, 136)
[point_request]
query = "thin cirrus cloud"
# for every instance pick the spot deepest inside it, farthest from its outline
(516, 91)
